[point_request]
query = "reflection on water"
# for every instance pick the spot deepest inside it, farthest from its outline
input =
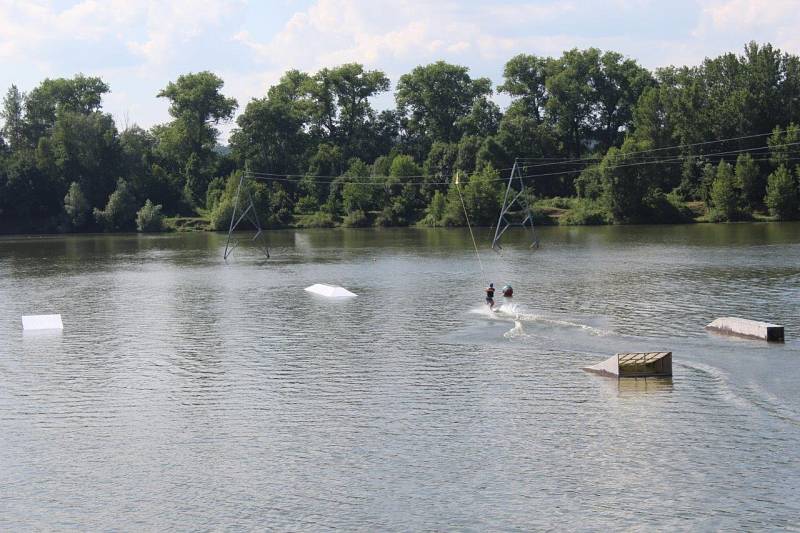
(190, 393)
(637, 385)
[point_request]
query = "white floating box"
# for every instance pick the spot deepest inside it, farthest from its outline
(743, 327)
(41, 322)
(330, 291)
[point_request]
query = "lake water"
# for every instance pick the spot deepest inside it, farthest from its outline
(189, 393)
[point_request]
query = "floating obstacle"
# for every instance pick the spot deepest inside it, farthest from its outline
(330, 291)
(743, 327)
(635, 365)
(41, 322)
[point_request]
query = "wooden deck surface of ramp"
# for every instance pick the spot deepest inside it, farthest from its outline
(635, 365)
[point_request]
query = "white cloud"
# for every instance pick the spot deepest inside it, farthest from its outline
(336, 31)
(173, 22)
(142, 44)
(737, 15)
(25, 27)
(773, 20)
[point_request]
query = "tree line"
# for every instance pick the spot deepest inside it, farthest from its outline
(592, 131)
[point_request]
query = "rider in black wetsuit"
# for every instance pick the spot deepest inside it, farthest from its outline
(490, 295)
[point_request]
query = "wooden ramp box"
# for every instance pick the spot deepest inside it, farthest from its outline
(742, 327)
(635, 365)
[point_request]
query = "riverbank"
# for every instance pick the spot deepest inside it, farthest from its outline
(547, 212)
(564, 211)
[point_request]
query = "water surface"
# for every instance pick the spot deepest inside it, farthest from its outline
(190, 393)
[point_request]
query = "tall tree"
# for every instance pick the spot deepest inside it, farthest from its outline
(434, 97)
(13, 119)
(272, 132)
(80, 94)
(341, 111)
(197, 106)
(526, 77)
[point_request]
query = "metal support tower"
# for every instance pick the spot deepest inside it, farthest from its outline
(515, 211)
(248, 213)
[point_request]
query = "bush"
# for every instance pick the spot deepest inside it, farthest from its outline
(557, 202)
(541, 218)
(306, 205)
(482, 198)
(723, 197)
(120, 210)
(220, 217)
(356, 219)
(216, 188)
(586, 213)
(149, 218)
(782, 196)
(394, 214)
(667, 208)
(76, 206)
(319, 219)
(434, 214)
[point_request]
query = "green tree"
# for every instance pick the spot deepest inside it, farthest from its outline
(782, 194)
(625, 186)
(81, 95)
(439, 166)
(149, 218)
(724, 197)
(197, 106)
(76, 207)
(468, 148)
(481, 195)
(83, 148)
(13, 119)
(482, 120)
(436, 210)
(618, 84)
(401, 197)
(120, 210)
(433, 98)
(341, 111)
(271, 133)
(592, 96)
(525, 80)
(709, 174)
(358, 191)
(784, 145)
(327, 161)
(220, 216)
(749, 181)
(196, 182)
(570, 101)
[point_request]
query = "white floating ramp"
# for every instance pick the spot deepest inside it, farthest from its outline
(635, 365)
(752, 329)
(41, 322)
(330, 291)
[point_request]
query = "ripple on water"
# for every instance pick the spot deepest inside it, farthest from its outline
(187, 393)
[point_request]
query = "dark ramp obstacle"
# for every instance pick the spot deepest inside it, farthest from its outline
(635, 365)
(752, 329)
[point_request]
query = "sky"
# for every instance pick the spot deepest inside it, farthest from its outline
(138, 46)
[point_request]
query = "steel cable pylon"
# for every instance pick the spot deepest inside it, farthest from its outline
(507, 216)
(249, 213)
